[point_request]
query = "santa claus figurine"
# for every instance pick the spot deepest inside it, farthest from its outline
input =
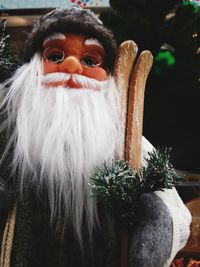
(60, 121)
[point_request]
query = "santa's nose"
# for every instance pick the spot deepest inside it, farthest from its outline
(71, 65)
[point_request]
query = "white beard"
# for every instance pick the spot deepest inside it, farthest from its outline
(61, 136)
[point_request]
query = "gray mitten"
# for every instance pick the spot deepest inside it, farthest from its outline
(151, 240)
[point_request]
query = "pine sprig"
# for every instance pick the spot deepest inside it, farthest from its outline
(119, 187)
(159, 172)
(8, 61)
(113, 181)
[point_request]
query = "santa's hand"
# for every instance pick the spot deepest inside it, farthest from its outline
(151, 239)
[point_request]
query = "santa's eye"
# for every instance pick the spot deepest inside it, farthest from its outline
(91, 60)
(54, 54)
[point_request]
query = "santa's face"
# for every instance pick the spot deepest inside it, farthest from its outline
(73, 54)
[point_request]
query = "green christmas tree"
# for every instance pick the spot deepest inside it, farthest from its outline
(8, 61)
(182, 33)
(170, 29)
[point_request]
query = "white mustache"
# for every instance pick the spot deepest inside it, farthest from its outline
(84, 82)
(55, 77)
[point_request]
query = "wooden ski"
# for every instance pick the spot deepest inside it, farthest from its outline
(135, 109)
(131, 80)
(122, 71)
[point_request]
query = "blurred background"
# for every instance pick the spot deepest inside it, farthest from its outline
(170, 29)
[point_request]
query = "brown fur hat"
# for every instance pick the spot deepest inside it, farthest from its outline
(75, 20)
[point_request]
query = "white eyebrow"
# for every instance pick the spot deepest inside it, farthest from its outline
(92, 41)
(56, 36)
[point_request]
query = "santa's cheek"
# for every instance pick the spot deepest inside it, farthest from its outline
(95, 73)
(49, 67)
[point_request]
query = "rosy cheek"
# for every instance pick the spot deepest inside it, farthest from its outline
(95, 73)
(50, 67)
